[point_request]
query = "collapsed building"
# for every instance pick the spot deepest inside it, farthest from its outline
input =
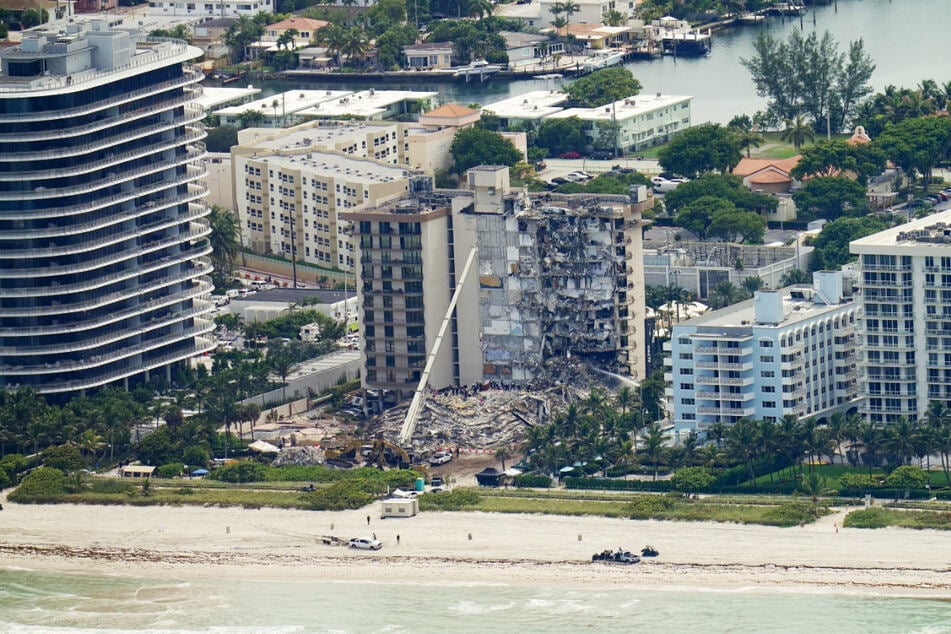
(487, 283)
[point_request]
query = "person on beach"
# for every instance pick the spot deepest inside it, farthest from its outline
(368, 520)
(397, 539)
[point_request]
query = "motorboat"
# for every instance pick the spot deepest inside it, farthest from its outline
(477, 68)
(604, 59)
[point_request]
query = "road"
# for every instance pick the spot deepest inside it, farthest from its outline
(560, 167)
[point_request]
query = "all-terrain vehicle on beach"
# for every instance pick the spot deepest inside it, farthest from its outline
(649, 551)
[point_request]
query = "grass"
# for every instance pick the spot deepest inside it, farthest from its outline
(881, 518)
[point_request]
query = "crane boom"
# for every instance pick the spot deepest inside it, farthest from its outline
(412, 414)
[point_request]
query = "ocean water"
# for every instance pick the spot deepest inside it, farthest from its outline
(33, 601)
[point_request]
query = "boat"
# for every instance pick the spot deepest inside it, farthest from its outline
(477, 68)
(604, 59)
(751, 18)
(548, 76)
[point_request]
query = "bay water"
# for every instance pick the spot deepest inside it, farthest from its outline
(907, 40)
(45, 601)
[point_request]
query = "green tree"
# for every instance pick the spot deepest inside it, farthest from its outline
(561, 135)
(691, 479)
(178, 32)
(222, 138)
(614, 17)
(752, 284)
(704, 148)
(724, 186)
(698, 214)
(389, 45)
(603, 87)
(746, 134)
(241, 35)
(471, 147)
(33, 17)
(814, 486)
(66, 458)
(832, 243)
(249, 118)
(225, 241)
(907, 477)
(737, 225)
(809, 75)
(917, 144)
(797, 131)
(830, 197)
(724, 294)
(334, 38)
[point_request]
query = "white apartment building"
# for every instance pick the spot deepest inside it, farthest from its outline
(643, 121)
(212, 9)
(548, 276)
(905, 279)
(288, 202)
(791, 351)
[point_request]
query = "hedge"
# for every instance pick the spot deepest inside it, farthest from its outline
(607, 484)
(532, 481)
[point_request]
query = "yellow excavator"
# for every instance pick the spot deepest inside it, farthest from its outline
(380, 452)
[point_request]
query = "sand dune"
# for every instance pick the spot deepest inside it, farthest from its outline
(529, 549)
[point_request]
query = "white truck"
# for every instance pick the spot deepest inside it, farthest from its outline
(663, 185)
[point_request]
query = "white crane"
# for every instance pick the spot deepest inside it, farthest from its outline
(412, 414)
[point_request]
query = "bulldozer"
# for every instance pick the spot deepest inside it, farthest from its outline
(380, 452)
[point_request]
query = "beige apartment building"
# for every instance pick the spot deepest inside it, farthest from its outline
(540, 277)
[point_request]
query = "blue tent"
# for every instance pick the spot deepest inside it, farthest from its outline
(200, 472)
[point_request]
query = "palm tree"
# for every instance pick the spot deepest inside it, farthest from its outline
(742, 443)
(502, 454)
(479, 9)
(746, 134)
(654, 445)
(794, 276)
(333, 37)
(814, 485)
(724, 294)
(798, 132)
(225, 240)
(356, 44)
(753, 283)
(615, 18)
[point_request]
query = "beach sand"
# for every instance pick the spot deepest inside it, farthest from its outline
(470, 547)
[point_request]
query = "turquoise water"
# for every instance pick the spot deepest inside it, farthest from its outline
(52, 602)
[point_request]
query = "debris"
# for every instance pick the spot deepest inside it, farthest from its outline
(299, 457)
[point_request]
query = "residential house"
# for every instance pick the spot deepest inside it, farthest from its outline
(430, 55)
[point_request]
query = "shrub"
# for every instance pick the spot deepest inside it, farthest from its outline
(350, 494)
(789, 514)
(196, 457)
(647, 506)
(858, 481)
(241, 472)
(866, 518)
(110, 485)
(66, 458)
(41, 484)
(171, 470)
(691, 479)
(5, 480)
(449, 500)
(532, 481)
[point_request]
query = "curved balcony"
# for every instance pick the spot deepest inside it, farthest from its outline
(198, 276)
(190, 75)
(92, 284)
(201, 288)
(195, 213)
(113, 258)
(193, 177)
(103, 124)
(192, 116)
(201, 346)
(190, 137)
(98, 360)
(191, 156)
(53, 232)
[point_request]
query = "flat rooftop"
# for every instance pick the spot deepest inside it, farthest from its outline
(932, 231)
(329, 163)
(320, 133)
(213, 97)
(624, 109)
(743, 315)
(287, 102)
(365, 103)
(530, 105)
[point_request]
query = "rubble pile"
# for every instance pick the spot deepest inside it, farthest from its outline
(299, 457)
(490, 415)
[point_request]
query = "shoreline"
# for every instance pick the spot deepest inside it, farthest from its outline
(471, 547)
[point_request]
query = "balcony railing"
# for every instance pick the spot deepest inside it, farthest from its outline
(195, 173)
(112, 258)
(195, 214)
(191, 136)
(201, 288)
(196, 192)
(202, 268)
(99, 282)
(190, 156)
(102, 124)
(96, 342)
(202, 345)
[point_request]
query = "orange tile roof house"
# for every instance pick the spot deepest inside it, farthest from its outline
(305, 27)
(770, 176)
(451, 115)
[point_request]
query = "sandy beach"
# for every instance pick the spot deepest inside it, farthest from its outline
(470, 547)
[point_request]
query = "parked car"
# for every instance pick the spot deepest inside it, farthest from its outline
(558, 180)
(570, 155)
(580, 174)
(440, 457)
(602, 155)
(435, 481)
(663, 185)
(366, 543)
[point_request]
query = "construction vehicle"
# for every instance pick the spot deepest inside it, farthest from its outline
(381, 453)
